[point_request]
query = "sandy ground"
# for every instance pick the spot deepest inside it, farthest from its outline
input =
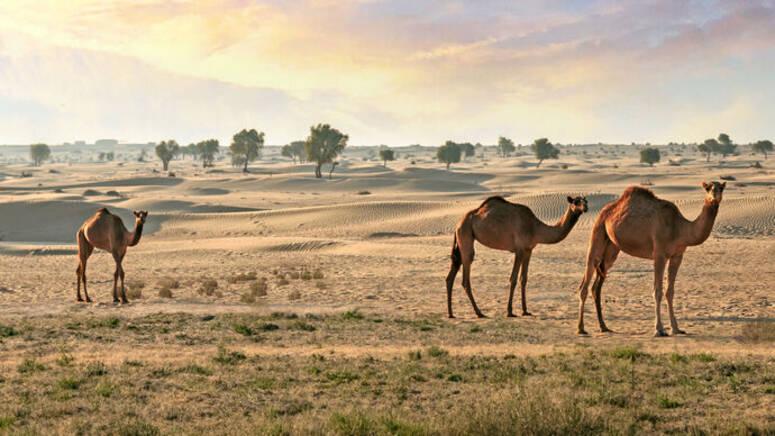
(381, 237)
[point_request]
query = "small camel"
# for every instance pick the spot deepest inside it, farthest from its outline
(106, 231)
(501, 225)
(642, 225)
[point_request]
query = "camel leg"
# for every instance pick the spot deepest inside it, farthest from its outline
(659, 277)
(583, 291)
(467, 286)
(84, 251)
(115, 278)
(523, 280)
(121, 276)
(609, 257)
(672, 272)
(465, 243)
(454, 267)
(513, 283)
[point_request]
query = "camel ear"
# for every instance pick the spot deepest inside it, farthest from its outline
(570, 199)
(136, 213)
(723, 185)
(706, 186)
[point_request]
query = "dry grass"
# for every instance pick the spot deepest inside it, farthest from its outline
(758, 332)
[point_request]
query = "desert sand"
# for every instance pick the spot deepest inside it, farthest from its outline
(376, 240)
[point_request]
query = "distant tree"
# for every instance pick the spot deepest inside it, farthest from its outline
(207, 150)
(39, 153)
(649, 155)
(762, 147)
(191, 150)
(449, 153)
(333, 167)
(166, 151)
(141, 157)
(467, 149)
(294, 150)
(323, 145)
(709, 147)
(101, 156)
(110, 156)
(505, 146)
(544, 149)
(727, 147)
(246, 147)
(386, 155)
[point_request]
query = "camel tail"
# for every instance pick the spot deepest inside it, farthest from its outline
(457, 259)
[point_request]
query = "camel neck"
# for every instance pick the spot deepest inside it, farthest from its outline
(556, 233)
(700, 228)
(134, 237)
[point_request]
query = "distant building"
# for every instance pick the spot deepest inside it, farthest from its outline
(106, 142)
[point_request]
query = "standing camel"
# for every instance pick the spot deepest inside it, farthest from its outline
(501, 225)
(106, 231)
(642, 225)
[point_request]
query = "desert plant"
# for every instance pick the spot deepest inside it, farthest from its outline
(505, 146)
(762, 147)
(166, 151)
(726, 146)
(386, 155)
(294, 295)
(39, 153)
(165, 293)
(246, 147)
(260, 287)
(294, 150)
(208, 287)
(323, 145)
(206, 150)
(543, 150)
(650, 156)
(449, 153)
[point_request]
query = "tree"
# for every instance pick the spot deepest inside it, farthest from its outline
(166, 150)
(762, 147)
(110, 156)
(649, 155)
(544, 149)
(323, 145)
(207, 150)
(467, 149)
(727, 147)
(294, 150)
(709, 147)
(386, 155)
(39, 153)
(191, 150)
(449, 153)
(505, 146)
(246, 147)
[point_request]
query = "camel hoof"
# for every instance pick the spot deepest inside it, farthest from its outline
(606, 330)
(527, 314)
(481, 315)
(510, 315)
(88, 300)
(582, 332)
(451, 316)
(660, 334)
(79, 299)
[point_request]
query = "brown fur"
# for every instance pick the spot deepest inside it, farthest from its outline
(105, 231)
(643, 225)
(506, 226)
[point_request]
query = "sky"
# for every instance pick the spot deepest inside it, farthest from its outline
(387, 72)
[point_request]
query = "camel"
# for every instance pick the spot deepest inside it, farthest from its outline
(501, 225)
(643, 225)
(106, 231)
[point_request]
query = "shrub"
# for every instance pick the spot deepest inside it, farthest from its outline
(260, 287)
(628, 353)
(226, 357)
(306, 275)
(435, 351)
(95, 369)
(30, 365)
(165, 293)
(243, 277)
(282, 281)
(352, 315)
(248, 298)
(757, 332)
(69, 383)
(318, 275)
(294, 295)
(208, 287)
(169, 283)
(7, 331)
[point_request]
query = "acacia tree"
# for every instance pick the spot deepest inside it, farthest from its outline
(650, 156)
(39, 153)
(762, 147)
(246, 147)
(726, 146)
(386, 155)
(467, 149)
(207, 150)
(709, 147)
(166, 151)
(191, 150)
(449, 153)
(323, 145)
(543, 150)
(294, 150)
(505, 146)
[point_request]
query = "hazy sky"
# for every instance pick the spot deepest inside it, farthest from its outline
(394, 72)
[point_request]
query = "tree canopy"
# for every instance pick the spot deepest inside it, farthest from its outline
(323, 145)
(505, 146)
(386, 154)
(246, 147)
(166, 151)
(39, 153)
(449, 153)
(726, 146)
(294, 150)
(709, 147)
(543, 150)
(650, 155)
(467, 149)
(764, 146)
(207, 150)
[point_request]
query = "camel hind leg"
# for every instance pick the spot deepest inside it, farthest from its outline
(609, 257)
(513, 283)
(454, 267)
(465, 242)
(85, 250)
(597, 246)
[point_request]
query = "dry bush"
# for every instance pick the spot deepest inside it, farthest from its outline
(165, 293)
(169, 283)
(321, 285)
(757, 332)
(294, 295)
(318, 274)
(260, 287)
(134, 293)
(242, 277)
(306, 275)
(282, 281)
(208, 287)
(248, 298)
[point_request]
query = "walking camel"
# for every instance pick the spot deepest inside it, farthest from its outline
(642, 225)
(501, 225)
(106, 231)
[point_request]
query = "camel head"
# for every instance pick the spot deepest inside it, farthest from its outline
(713, 192)
(140, 216)
(578, 204)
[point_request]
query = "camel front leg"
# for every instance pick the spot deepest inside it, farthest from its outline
(513, 283)
(78, 288)
(659, 277)
(583, 292)
(672, 273)
(523, 280)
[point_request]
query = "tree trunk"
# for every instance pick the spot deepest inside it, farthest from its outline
(330, 173)
(448, 164)
(245, 168)
(707, 158)
(384, 163)
(317, 171)
(165, 164)
(539, 164)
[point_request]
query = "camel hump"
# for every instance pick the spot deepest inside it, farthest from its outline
(496, 198)
(633, 191)
(103, 210)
